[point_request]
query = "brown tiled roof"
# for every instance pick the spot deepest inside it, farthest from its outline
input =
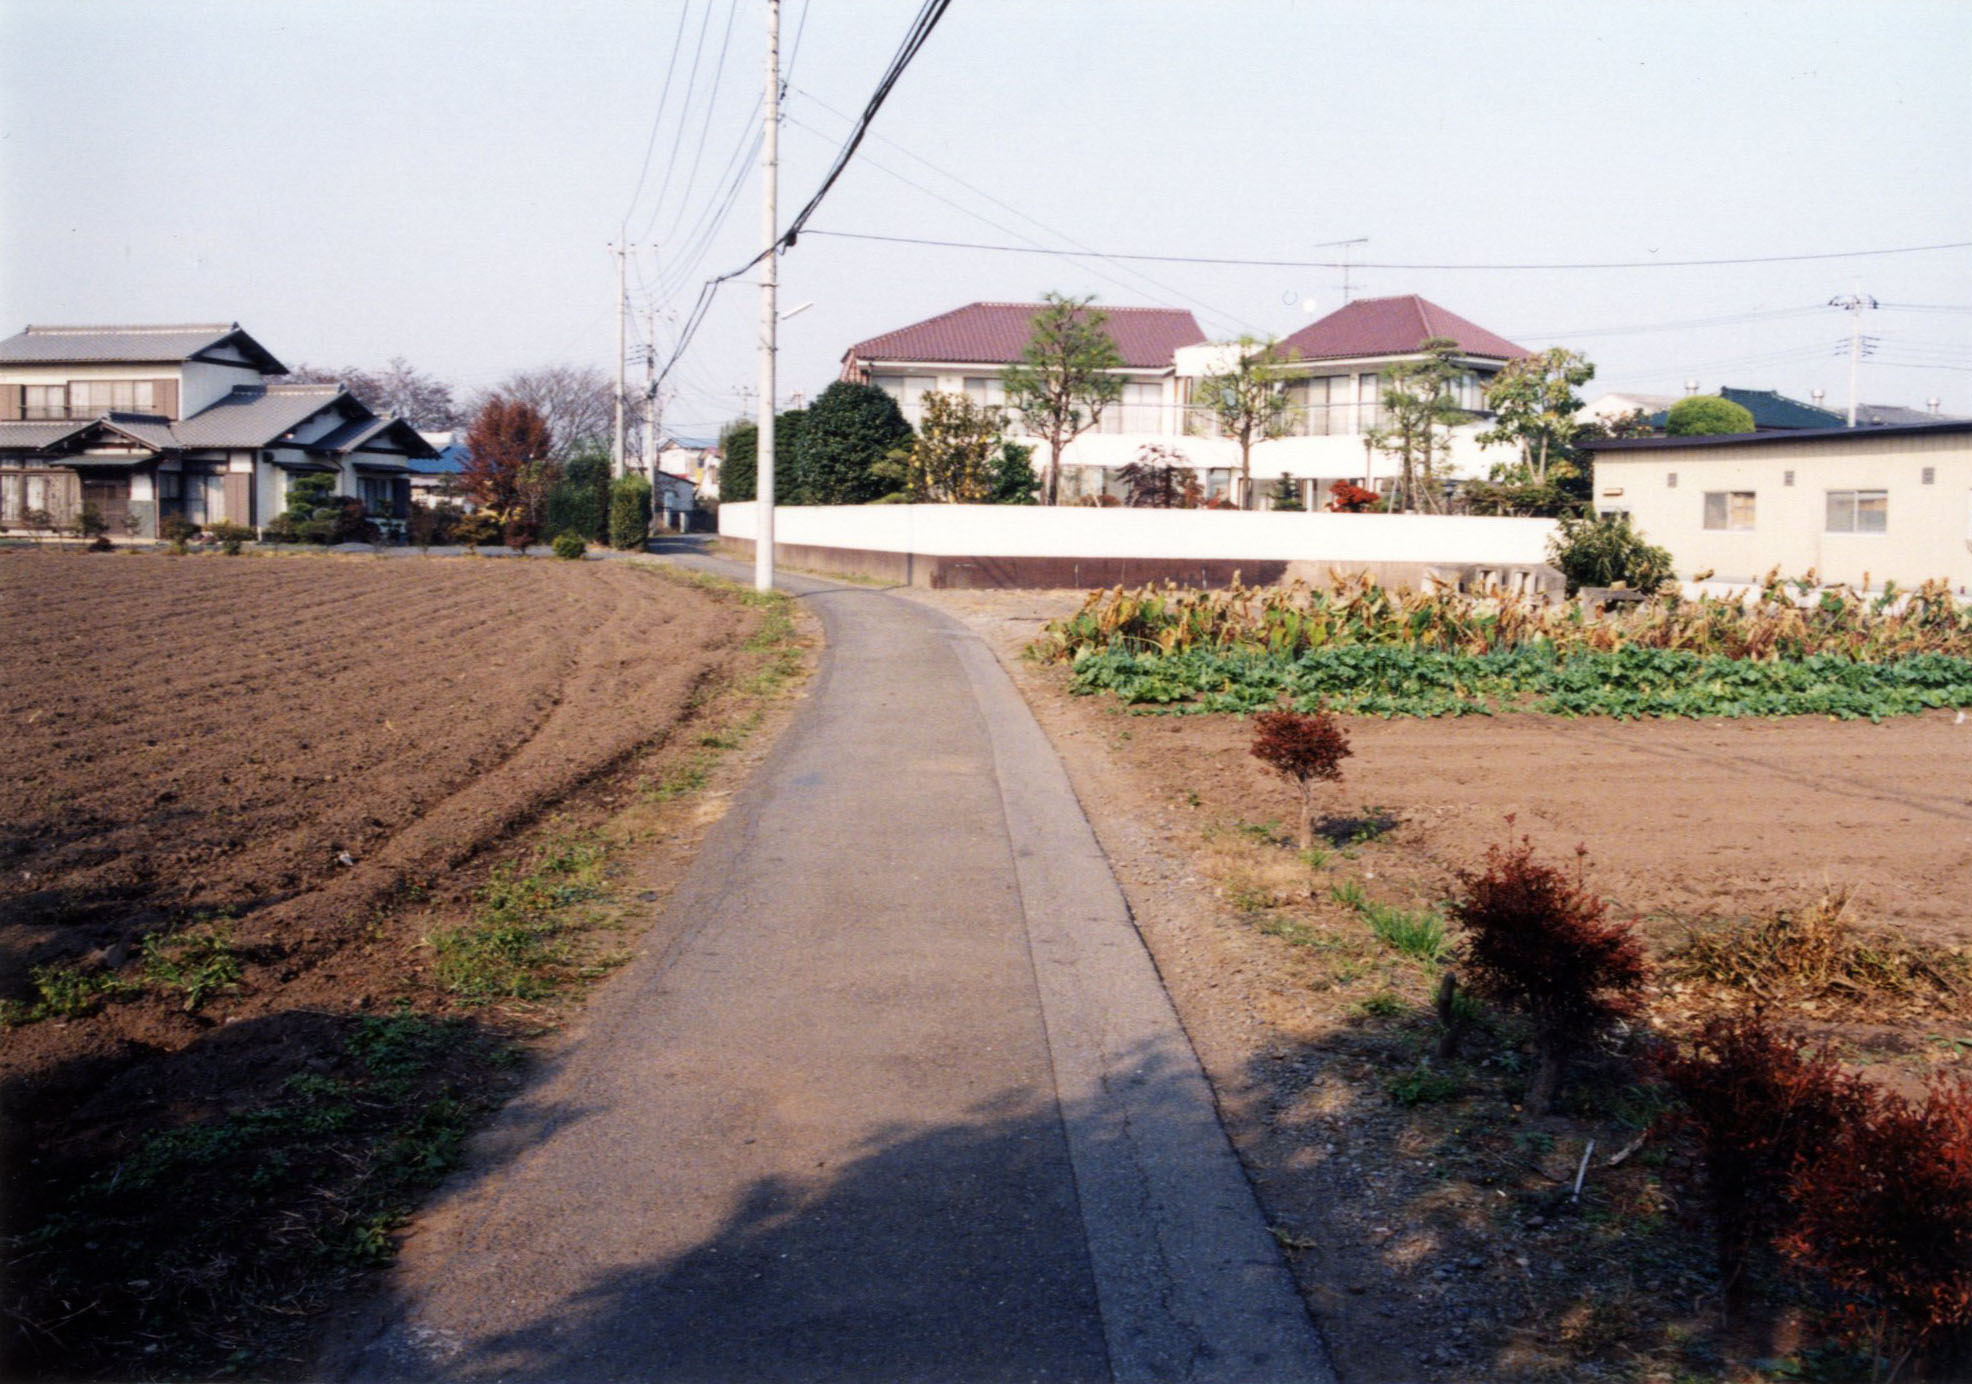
(995, 334)
(1393, 327)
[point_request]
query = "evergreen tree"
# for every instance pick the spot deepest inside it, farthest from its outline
(848, 429)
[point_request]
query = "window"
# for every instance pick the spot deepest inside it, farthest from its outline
(87, 398)
(168, 483)
(1930, 475)
(909, 392)
(1728, 509)
(374, 492)
(1671, 480)
(1371, 402)
(1858, 511)
(1787, 478)
(10, 498)
(1140, 409)
(44, 401)
(987, 391)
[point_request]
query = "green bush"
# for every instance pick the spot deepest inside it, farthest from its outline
(1014, 481)
(178, 531)
(629, 512)
(1707, 415)
(739, 445)
(579, 502)
(569, 546)
(1605, 551)
(849, 428)
(481, 526)
(231, 536)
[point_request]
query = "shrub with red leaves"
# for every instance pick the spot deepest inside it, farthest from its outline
(1760, 1104)
(1305, 748)
(1884, 1214)
(1346, 497)
(1539, 944)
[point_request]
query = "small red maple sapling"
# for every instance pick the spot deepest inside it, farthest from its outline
(1304, 748)
(1540, 944)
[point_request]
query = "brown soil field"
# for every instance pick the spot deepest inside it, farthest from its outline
(310, 766)
(1435, 1240)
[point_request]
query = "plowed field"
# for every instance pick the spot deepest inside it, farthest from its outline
(286, 743)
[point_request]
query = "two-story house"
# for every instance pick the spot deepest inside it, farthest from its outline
(1332, 375)
(144, 422)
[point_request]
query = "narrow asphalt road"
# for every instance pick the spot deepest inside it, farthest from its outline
(894, 1093)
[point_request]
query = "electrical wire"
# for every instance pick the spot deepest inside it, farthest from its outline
(1370, 264)
(684, 109)
(705, 128)
(657, 120)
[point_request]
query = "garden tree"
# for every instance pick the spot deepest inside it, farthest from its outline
(1286, 494)
(511, 466)
(1248, 403)
(420, 399)
(1534, 404)
(1305, 749)
(1635, 423)
(1540, 944)
(629, 512)
(1152, 479)
(1014, 481)
(1707, 415)
(1065, 378)
(958, 443)
(1419, 412)
(739, 447)
(1603, 550)
(849, 429)
(578, 402)
(579, 502)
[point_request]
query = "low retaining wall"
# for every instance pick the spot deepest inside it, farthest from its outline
(976, 546)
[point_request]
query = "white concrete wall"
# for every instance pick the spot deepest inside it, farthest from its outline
(1928, 531)
(1337, 457)
(1192, 534)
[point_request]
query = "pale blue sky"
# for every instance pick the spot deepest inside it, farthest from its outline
(439, 179)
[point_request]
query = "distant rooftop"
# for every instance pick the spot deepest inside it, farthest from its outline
(1394, 327)
(140, 344)
(997, 333)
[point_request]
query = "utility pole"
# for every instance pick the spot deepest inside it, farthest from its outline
(616, 457)
(650, 393)
(1854, 304)
(763, 537)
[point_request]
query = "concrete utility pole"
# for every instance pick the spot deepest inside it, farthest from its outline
(650, 393)
(616, 458)
(1854, 304)
(763, 538)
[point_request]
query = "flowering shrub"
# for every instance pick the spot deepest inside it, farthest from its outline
(1537, 943)
(1305, 749)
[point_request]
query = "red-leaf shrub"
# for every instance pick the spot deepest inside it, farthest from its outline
(1884, 1213)
(1760, 1104)
(1305, 748)
(1346, 497)
(1539, 944)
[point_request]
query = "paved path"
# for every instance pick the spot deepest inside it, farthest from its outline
(893, 1094)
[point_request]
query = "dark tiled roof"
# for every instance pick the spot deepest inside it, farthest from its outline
(1893, 415)
(16, 435)
(1772, 410)
(1393, 327)
(996, 333)
(254, 416)
(1856, 436)
(136, 344)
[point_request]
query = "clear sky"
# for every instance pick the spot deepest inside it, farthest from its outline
(439, 179)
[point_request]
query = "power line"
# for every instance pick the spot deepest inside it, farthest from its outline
(794, 53)
(1689, 324)
(920, 30)
(664, 96)
(684, 109)
(705, 129)
(914, 40)
(1338, 264)
(1217, 312)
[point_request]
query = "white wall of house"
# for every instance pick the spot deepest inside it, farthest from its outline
(1811, 503)
(202, 384)
(1038, 531)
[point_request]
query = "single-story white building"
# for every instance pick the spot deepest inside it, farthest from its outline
(1855, 505)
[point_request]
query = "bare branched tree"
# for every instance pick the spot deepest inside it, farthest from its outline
(579, 403)
(420, 399)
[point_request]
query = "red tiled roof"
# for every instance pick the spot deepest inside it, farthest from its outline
(995, 334)
(1393, 327)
